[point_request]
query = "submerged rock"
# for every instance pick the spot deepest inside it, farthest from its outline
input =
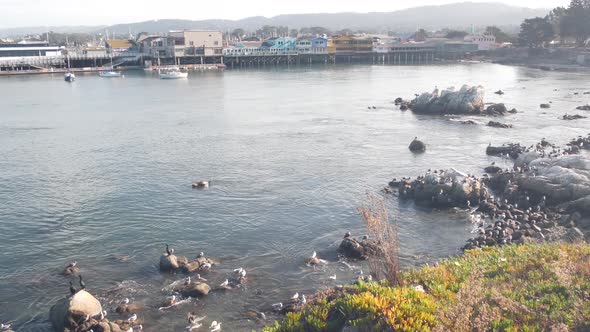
(499, 125)
(573, 117)
(193, 289)
(545, 106)
(583, 108)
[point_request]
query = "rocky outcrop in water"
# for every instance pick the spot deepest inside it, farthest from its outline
(496, 124)
(417, 145)
(355, 249)
(75, 313)
(580, 142)
(467, 100)
(583, 108)
(511, 150)
(498, 109)
(545, 106)
(443, 189)
(193, 289)
(573, 117)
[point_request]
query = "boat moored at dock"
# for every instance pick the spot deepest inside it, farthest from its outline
(173, 74)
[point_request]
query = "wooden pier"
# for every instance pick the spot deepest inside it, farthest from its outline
(402, 55)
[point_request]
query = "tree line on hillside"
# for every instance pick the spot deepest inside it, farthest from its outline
(571, 22)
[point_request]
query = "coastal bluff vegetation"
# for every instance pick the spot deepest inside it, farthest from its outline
(531, 287)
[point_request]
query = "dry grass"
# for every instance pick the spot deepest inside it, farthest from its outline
(384, 265)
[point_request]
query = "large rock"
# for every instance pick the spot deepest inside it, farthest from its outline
(467, 100)
(194, 289)
(417, 146)
(168, 263)
(352, 248)
(563, 180)
(68, 313)
(444, 189)
(496, 109)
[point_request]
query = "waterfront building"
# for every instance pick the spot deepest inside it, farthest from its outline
(115, 46)
(197, 42)
(40, 49)
(303, 46)
(350, 45)
(157, 46)
(484, 42)
(280, 43)
(319, 45)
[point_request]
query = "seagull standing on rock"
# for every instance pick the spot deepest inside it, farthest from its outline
(133, 318)
(277, 306)
(225, 283)
(295, 296)
(4, 327)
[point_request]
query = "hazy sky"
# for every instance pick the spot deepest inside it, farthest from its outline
(17, 13)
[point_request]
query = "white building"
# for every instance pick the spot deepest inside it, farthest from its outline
(484, 42)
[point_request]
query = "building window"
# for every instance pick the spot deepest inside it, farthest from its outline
(159, 44)
(216, 43)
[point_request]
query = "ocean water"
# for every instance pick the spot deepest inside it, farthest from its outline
(100, 171)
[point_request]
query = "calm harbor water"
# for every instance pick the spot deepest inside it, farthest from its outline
(100, 171)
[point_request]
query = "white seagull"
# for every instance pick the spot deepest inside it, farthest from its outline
(295, 296)
(126, 301)
(200, 278)
(303, 299)
(132, 318)
(313, 255)
(194, 326)
(205, 266)
(215, 326)
(225, 283)
(333, 277)
(4, 326)
(277, 306)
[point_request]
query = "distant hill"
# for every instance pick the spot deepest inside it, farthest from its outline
(9, 32)
(458, 15)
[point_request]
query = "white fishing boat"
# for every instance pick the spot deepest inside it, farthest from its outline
(109, 73)
(172, 74)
